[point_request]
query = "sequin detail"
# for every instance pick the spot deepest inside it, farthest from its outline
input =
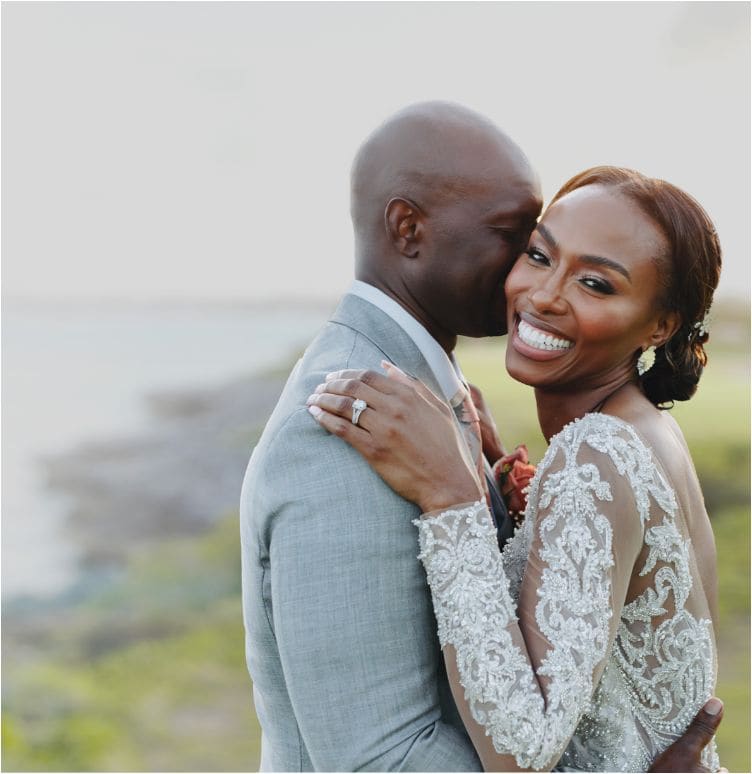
(617, 692)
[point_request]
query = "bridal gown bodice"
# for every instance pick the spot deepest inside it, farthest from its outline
(587, 644)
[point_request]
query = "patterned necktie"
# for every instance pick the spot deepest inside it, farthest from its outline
(467, 415)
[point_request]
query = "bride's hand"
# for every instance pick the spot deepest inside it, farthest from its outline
(407, 434)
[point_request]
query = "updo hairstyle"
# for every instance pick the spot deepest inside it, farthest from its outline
(689, 270)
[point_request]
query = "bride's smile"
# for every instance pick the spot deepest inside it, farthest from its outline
(585, 297)
(533, 334)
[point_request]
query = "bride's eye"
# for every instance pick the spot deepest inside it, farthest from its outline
(536, 256)
(598, 284)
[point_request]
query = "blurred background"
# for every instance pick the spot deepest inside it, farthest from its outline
(174, 230)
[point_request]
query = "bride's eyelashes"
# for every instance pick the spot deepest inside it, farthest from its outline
(537, 256)
(598, 284)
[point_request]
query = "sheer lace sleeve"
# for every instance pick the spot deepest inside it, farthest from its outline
(523, 676)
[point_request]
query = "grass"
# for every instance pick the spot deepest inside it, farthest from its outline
(169, 697)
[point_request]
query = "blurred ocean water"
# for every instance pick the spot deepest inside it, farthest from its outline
(76, 373)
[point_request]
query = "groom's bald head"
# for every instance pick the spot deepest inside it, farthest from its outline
(431, 152)
(428, 187)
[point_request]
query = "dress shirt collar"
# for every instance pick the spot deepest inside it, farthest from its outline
(445, 368)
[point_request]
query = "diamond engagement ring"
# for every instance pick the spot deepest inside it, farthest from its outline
(358, 407)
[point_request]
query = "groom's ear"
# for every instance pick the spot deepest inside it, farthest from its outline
(404, 222)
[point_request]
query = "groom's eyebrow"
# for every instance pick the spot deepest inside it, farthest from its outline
(510, 219)
(594, 260)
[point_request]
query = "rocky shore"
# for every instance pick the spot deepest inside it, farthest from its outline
(179, 479)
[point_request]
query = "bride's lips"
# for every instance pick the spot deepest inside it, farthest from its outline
(538, 341)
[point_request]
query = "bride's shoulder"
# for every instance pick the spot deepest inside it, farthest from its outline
(597, 428)
(598, 448)
(613, 441)
(609, 442)
(603, 457)
(641, 426)
(659, 432)
(649, 444)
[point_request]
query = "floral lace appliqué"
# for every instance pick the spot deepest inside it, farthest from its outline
(659, 664)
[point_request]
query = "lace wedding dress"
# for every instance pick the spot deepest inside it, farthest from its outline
(587, 644)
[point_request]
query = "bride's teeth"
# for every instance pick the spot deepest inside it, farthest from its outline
(536, 338)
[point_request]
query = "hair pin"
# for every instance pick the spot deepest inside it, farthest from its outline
(701, 327)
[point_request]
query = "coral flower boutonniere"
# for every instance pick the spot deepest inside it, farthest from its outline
(513, 473)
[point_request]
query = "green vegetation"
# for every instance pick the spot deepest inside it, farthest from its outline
(148, 672)
(148, 675)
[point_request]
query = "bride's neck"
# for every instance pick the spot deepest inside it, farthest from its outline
(557, 408)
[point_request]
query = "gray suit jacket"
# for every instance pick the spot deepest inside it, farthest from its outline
(340, 634)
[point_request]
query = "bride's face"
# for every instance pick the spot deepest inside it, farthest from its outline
(583, 298)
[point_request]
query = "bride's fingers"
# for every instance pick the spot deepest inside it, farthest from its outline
(352, 388)
(395, 394)
(398, 375)
(341, 406)
(370, 386)
(373, 379)
(355, 435)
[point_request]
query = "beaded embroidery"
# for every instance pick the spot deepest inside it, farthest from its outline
(659, 666)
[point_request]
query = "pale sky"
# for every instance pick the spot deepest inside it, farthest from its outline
(202, 150)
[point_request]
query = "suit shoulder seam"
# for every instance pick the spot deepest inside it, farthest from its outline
(361, 334)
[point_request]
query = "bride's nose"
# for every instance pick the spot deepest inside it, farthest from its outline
(547, 297)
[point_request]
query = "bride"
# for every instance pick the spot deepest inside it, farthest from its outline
(588, 643)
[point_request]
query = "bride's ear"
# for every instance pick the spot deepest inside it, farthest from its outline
(667, 325)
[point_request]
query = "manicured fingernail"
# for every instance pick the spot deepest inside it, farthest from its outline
(332, 375)
(321, 388)
(390, 366)
(713, 706)
(310, 399)
(315, 411)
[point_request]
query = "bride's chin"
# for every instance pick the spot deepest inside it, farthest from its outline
(523, 375)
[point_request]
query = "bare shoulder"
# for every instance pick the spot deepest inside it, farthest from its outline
(661, 432)
(657, 428)
(662, 435)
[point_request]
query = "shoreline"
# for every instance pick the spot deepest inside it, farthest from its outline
(177, 479)
(94, 392)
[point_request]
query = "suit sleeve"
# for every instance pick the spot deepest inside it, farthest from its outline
(351, 612)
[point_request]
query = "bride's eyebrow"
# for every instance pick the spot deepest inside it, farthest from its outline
(598, 260)
(594, 260)
(547, 235)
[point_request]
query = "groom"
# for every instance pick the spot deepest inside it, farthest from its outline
(340, 635)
